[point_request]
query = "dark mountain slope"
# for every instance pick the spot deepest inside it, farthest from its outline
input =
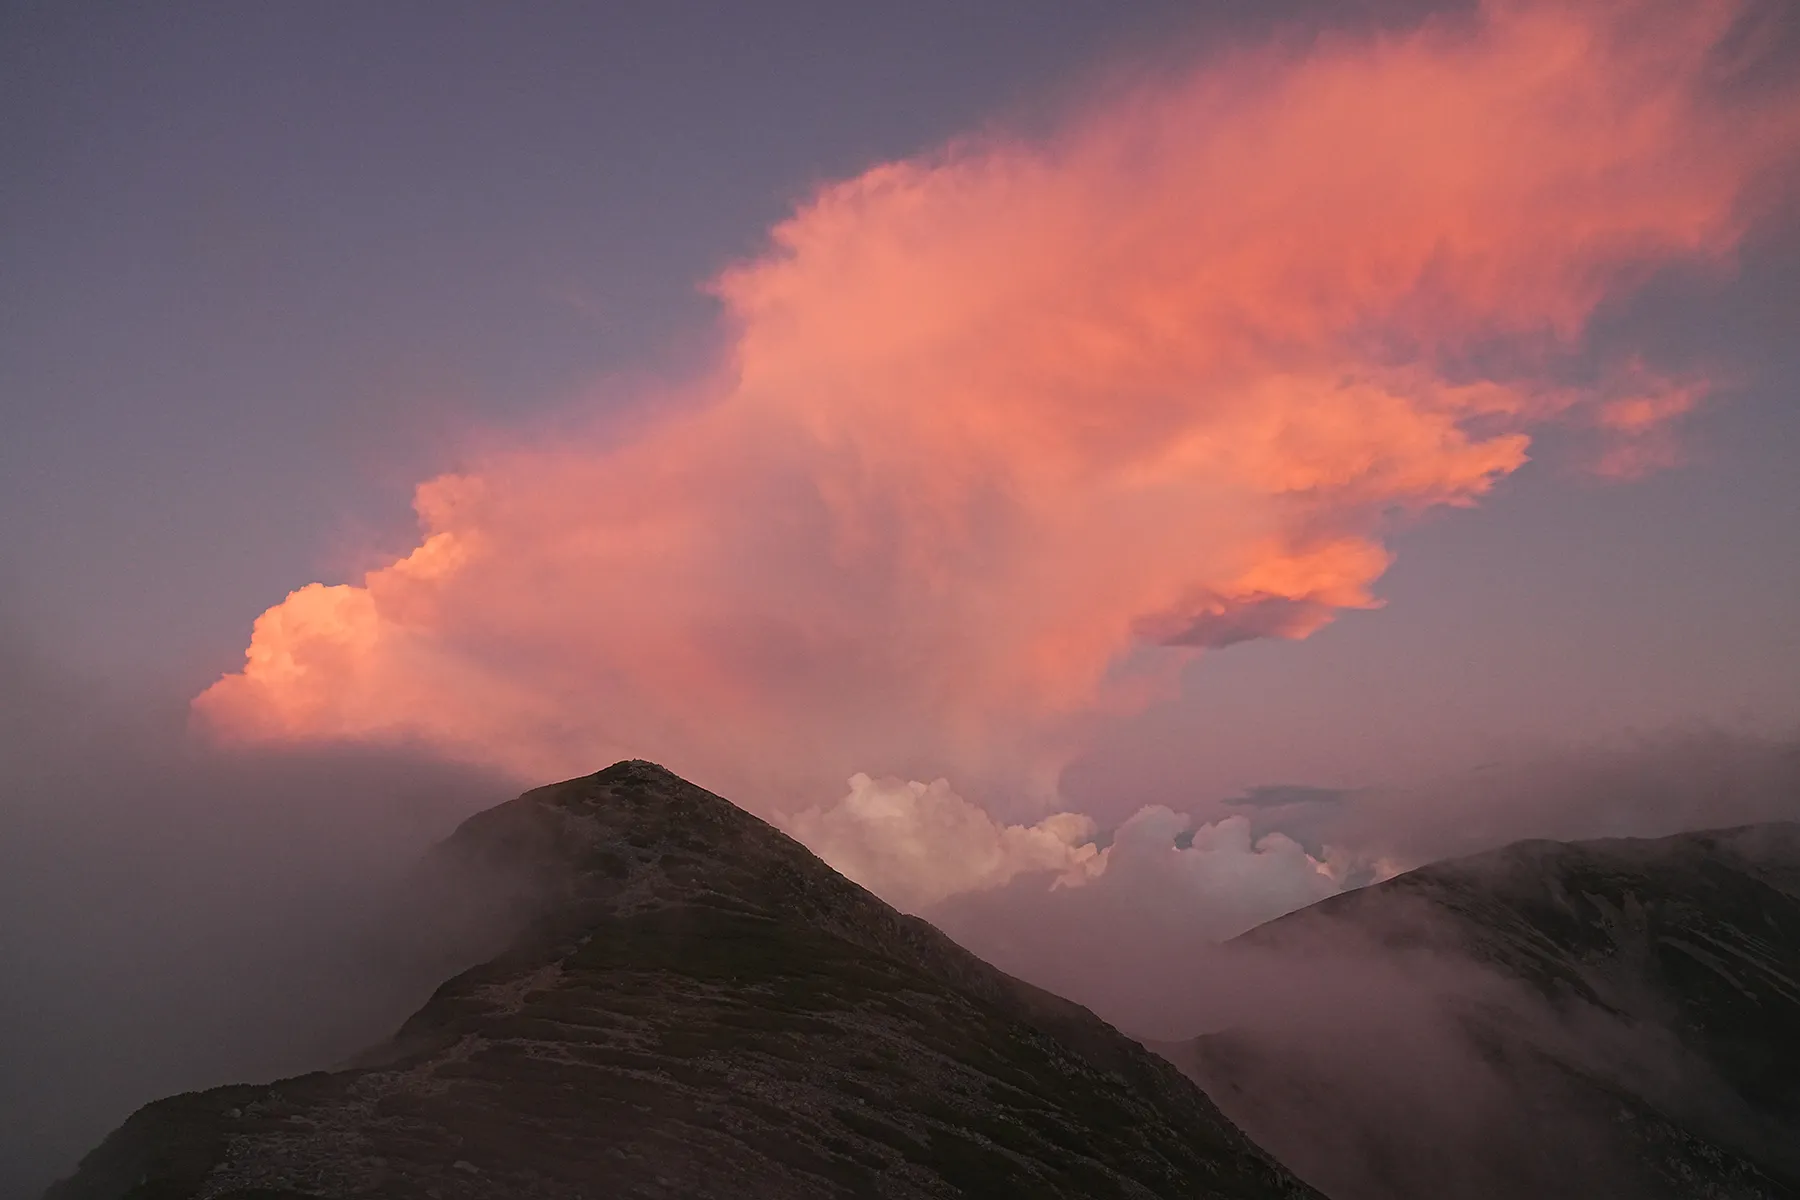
(1620, 1015)
(700, 1007)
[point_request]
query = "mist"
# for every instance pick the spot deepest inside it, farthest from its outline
(1387, 1056)
(1128, 938)
(1376, 1070)
(173, 917)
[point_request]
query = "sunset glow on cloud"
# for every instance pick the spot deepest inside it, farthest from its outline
(1011, 430)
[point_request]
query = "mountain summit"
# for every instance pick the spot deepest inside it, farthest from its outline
(699, 1007)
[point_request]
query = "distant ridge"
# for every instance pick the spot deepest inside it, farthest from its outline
(1686, 948)
(699, 1007)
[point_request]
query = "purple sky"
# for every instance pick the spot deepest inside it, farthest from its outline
(265, 267)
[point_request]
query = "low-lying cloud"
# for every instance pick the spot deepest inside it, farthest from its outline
(1132, 940)
(174, 918)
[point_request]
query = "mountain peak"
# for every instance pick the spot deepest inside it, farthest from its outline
(700, 1007)
(635, 837)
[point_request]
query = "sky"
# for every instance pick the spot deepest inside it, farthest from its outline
(1076, 467)
(1112, 405)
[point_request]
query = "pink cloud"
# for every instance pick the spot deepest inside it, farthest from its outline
(997, 418)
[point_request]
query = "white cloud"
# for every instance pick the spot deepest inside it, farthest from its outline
(1223, 881)
(918, 845)
(915, 844)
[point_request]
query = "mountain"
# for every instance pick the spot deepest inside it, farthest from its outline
(697, 1006)
(1617, 1018)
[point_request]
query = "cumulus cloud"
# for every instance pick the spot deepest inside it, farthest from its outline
(1008, 431)
(922, 846)
(915, 844)
(1220, 874)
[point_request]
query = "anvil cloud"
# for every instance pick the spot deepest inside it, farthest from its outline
(1010, 430)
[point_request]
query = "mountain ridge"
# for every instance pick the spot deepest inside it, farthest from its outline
(1641, 990)
(699, 1007)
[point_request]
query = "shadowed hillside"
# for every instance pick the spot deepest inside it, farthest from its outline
(699, 1007)
(1617, 1017)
